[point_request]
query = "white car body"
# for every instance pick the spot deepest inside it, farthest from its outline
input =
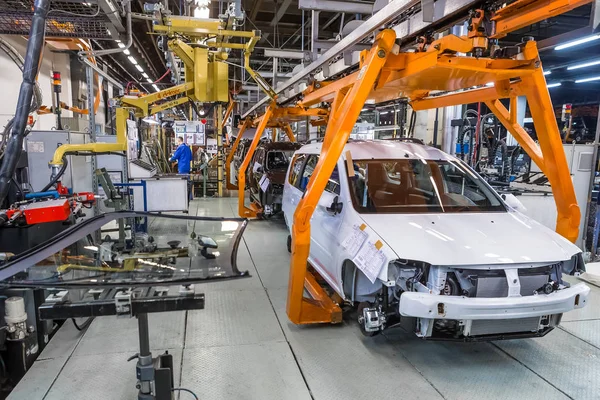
(500, 252)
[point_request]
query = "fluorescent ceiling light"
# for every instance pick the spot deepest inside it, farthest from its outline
(583, 65)
(489, 84)
(149, 80)
(145, 75)
(126, 52)
(132, 60)
(593, 78)
(364, 109)
(121, 45)
(548, 72)
(139, 68)
(383, 113)
(557, 84)
(156, 87)
(577, 42)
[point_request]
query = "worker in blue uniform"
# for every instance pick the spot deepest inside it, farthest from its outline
(183, 156)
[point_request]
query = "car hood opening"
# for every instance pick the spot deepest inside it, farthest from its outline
(470, 238)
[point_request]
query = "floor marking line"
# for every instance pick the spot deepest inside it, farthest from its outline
(526, 367)
(280, 325)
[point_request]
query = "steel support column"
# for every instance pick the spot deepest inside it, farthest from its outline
(229, 184)
(254, 210)
(219, 120)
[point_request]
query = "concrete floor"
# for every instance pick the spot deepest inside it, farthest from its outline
(242, 346)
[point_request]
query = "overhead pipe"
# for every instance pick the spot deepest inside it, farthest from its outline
(33, 57)
(100, 53)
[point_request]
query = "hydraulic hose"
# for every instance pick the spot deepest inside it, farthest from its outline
(33, 56)
(58, 175)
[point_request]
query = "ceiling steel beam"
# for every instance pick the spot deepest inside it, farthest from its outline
(281, 11)
(549, 43)
(111, 11)
(350, 7)
(386, 15)
(269, 74)
(445, 10)
(281, 53)
(102, 73)
(255, 9)
(327, 44)
(331, 20)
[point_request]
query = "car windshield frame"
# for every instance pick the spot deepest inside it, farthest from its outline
(288, 153)
(373, 200)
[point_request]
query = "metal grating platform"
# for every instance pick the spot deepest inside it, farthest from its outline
(67, 19)
(243, 346)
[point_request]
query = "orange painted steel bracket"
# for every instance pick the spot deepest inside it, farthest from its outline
(231, 186)
(528, 81)
(253, 210)
(524, 13)
(289, 132)
(229, 109)
(320, 308)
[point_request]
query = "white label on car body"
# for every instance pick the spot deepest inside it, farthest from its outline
(353, 242)
(370, 259)
(264, 183)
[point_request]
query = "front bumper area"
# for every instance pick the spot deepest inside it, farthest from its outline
(433, 306)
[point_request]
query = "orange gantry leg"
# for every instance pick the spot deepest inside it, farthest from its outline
(254, 210)
(230, 185)
(274, 134)
(550, 155)
(320, 308)
(289, 132)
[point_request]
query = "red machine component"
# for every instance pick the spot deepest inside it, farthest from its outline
(84, 197)
(62, 190)
(47, 211)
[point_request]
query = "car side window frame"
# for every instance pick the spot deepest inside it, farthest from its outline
(293, 174)
(308, 158)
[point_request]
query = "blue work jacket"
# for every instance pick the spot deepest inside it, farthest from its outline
(183, 155)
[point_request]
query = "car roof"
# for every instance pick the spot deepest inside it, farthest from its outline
(280, 145)
(384, 149)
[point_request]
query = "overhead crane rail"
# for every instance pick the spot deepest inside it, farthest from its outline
(386, 74)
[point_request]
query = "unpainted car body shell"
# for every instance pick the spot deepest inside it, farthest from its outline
(474, 240)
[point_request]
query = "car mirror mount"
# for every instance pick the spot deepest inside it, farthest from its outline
(336, 206)
(513, 202)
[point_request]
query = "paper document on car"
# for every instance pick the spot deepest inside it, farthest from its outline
(264, 183)
(355, 240)
(370, 259)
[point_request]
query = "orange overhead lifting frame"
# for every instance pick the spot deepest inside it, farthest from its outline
(385, 74)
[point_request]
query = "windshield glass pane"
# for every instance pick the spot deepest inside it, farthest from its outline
(279, 159)
(131, 249)
(419, 186)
